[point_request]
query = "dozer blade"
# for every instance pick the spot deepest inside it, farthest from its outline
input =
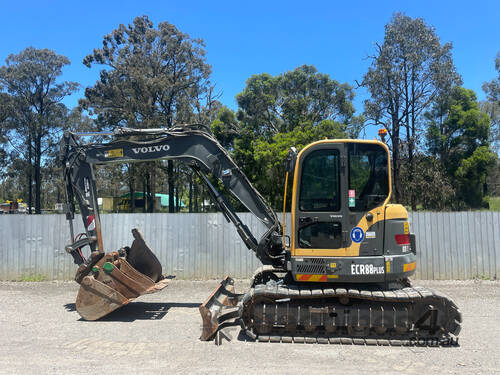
(221, 309)
(115, 280)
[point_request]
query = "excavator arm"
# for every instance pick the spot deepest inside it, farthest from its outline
(197, 148)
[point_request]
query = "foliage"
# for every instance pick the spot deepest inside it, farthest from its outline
(431, 184)
(471, 176)
(34, 116)
(262, 159)
(458, 135)
(494, 203)
(157, 76)
(5, 108)
(492, 109)
(225, 127)
(269, 105)
(492, 88)
(151, 77)
(408, 71)
(294, 108)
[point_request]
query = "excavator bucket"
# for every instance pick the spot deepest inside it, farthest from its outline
(117, 278)
(220, 310)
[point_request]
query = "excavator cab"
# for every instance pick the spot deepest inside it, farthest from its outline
(343, 228)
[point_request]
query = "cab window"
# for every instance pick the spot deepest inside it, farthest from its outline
(368, 176)
(320, 182)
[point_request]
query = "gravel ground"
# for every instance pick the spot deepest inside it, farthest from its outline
(42, 333)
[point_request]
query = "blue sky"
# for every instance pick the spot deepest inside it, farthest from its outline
(245, 38)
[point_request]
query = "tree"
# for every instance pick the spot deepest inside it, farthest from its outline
(492, 105)
(4, 114)
(432, 186)
(408, 72)
(492, 109)
(492, 88)
(152, 77)
(263, 159)
(31, 79)
(276, 112)
(269, 105)
(226, 128)
(458, 135)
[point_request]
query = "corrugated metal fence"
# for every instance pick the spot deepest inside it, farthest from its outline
(460, 245)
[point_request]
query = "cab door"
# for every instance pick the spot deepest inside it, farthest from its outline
(368, 191)
(320, 206)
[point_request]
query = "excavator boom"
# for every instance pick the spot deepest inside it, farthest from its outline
(203, 154)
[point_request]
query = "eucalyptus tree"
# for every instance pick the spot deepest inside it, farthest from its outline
(458, 135)
(491, 106)
(272, 104)
(408, 71)
(35, 119)
(150, 77)
(492, 88)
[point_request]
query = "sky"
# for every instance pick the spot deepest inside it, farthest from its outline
(253, 37)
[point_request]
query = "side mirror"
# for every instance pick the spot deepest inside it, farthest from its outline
(291, 158)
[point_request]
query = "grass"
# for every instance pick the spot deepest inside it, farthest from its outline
(494, 203)
(34, 278)
(482, 277)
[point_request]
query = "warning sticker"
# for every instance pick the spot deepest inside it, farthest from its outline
(407, 228)
(116, 153)
(371, 235)
(90, 222)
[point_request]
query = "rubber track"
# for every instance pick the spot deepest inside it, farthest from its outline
(406, 304)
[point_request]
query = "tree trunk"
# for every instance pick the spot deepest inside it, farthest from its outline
(30, 174)
(58, 194)
(144, 192)
(38, 176)
(395, 157)
(411, 147)
(171, 189)
(131, 187)
(191, 192)
(177, 206)
(152, 187)
(195, 193)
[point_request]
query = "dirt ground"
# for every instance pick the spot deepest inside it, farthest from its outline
(40, 332)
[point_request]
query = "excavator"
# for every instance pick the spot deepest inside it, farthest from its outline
(341, 276)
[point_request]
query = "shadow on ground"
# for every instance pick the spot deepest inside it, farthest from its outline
(139, 311)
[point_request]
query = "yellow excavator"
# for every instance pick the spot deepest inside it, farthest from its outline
(341, 276)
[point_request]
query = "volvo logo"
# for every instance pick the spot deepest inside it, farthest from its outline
(145, 150)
